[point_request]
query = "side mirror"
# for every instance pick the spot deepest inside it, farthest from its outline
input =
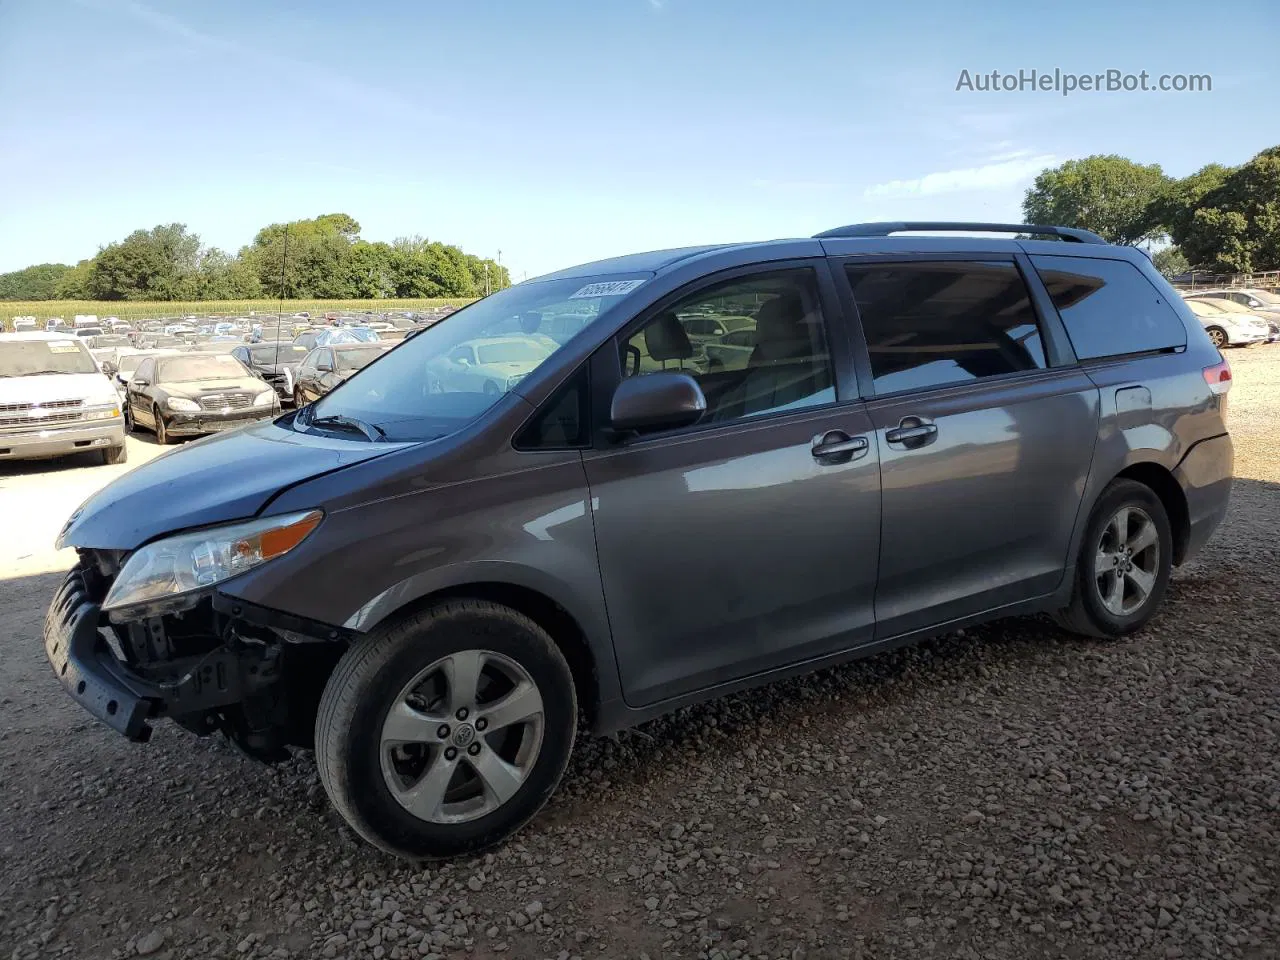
(657, 401)
(464, 361)
(108, 368)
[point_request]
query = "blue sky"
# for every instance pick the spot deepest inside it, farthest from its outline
(567, 130)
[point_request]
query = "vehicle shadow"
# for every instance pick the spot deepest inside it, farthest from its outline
(72, 461)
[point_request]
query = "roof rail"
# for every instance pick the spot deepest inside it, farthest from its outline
(902, 226)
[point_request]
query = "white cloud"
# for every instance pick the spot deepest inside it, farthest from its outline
(989, 176)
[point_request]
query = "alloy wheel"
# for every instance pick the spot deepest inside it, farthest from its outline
(462, 736)
(1218, 338)
(1127, 561)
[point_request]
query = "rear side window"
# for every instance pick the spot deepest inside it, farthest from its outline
(931, 324)
(1108, 307)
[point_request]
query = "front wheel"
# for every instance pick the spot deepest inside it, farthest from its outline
(1122, 571)
(114, 455)
(1218, 337)
(162, 431)
(445, 733)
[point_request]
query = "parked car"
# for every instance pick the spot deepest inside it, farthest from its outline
(930, 434)
(54, 400)
(193, 394)
(121, 367)
(153, 341)
(1259, 301)
(324, 368)
(732, 350)
(490, 365)
(1272, 320)
(1227, 329)
(310, 339)
(275, 362)
(89, 332)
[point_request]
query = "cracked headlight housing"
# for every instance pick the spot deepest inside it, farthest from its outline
(187, 564)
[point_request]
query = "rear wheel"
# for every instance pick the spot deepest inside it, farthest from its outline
(445, 733)
(1217, 336)
(1122, 572)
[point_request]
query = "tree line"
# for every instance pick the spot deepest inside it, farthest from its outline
(322, 258)
(1219, 219)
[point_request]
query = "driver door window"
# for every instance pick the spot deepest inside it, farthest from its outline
(784, 362)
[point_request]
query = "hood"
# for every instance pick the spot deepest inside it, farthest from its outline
(196, 388)
(228, 476)
(512, 367)
(89, 387)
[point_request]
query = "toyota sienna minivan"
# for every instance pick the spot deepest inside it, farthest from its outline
(428, 575)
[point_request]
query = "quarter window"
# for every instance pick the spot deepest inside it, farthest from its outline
(787, 365)
(562, 422)
(1108, 307)
(931, 324)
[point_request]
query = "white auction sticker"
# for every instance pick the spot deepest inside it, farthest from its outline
(63, 346)
(610, 288)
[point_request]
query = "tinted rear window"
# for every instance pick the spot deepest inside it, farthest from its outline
(930, 324)
(1109, 308)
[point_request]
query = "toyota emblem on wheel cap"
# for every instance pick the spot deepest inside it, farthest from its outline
(464, 735)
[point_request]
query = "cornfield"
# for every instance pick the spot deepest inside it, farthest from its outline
(139, 310)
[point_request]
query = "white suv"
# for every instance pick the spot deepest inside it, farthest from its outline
(54, 400)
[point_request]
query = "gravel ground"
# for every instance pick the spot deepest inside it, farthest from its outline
(1008, 792)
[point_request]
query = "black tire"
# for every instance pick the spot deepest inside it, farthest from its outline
(162, 432)
(367, 682)
(1218, 337)
(114, 455)
(1085, 613)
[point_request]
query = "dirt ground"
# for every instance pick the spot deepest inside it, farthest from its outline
(1005, 792)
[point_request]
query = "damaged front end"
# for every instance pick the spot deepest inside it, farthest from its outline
(206, 661)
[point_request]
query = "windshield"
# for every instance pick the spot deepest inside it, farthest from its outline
(1266, 297)
(361, 333)
(512, 351)
(355, 358)
(199, 367)
(22, 358)
(419, 390)
(278, 353)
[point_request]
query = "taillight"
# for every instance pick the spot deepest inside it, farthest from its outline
(1218, 377)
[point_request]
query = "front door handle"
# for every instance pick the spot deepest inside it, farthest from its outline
(912, 432)
(836, 446)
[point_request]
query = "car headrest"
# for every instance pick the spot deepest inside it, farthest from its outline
(780, 330)
(665, 338)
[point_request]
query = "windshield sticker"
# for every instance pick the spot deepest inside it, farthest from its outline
(611, 288)
(63, 346)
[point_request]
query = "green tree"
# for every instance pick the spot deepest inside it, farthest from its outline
(33, 283)
(305, 258)
(74, 284)
(156, 264)
(1229, 220)
(1170, 261)
(1110, 195)
(224, 277)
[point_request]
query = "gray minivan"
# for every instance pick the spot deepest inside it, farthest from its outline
(429, 579)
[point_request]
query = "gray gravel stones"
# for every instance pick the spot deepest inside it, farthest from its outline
(1006, 793)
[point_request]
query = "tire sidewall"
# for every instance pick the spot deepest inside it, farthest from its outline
(370, 796)
(1112, 499)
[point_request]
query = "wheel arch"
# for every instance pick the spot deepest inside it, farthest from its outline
(1161, 481)
(576, 633)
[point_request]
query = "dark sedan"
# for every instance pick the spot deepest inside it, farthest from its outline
(326, 367)
(194, 394)
(275, 362)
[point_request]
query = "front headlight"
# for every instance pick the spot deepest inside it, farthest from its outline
(182, 405)
(512, 381)
(264, 399)
(106, 413)
(195, 561)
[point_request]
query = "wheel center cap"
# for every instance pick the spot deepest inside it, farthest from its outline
(463, 734)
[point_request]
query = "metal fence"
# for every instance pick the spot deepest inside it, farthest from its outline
(1195, 280)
